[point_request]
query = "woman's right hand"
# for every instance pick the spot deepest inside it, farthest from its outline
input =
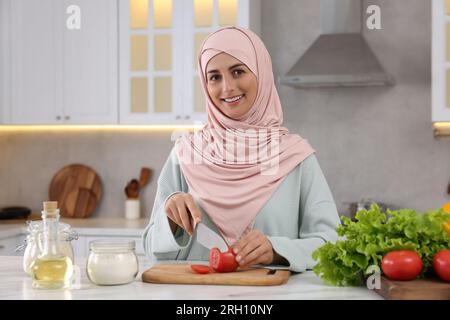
(182, 211)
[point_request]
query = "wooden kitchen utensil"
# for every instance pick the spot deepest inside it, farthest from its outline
(132, 189)
(78, 190)
(419, 289)
(183, 274)
(144, 177)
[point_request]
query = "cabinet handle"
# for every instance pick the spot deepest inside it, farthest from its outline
(2, 246)
(58, 117)
(178, 117)
(187, 117)
(67, 118)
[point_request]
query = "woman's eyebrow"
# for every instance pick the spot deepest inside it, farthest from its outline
(232, 67)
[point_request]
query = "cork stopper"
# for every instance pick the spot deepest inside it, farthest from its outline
(50, 208)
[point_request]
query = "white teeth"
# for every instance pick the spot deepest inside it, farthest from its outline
(233, 99)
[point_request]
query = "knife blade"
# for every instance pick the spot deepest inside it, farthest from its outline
(210, 239)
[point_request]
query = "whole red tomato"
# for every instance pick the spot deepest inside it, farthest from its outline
(441, 264)
(222, 261)
(402, 265)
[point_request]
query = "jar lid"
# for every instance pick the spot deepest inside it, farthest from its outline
(111, 245)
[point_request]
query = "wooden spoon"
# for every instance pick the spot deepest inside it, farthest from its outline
(132, 189)
(145, 177)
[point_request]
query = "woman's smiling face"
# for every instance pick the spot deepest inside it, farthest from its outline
(231, 85)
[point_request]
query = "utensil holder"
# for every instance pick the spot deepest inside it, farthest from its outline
(132, 209)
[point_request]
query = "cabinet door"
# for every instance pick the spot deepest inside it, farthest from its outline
(201, 18)
(35, 74)
(4, 59)
(150, 75)
(90, 63)
(441, 61)
(60, 75)
(159, 40)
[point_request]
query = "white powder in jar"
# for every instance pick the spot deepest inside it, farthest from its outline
(106, 268)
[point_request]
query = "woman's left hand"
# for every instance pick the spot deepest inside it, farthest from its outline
(253, 248)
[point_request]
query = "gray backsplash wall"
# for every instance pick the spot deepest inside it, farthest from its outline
(28, 161)
(370, 142)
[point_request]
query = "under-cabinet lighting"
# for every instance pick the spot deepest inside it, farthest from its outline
(441, 129)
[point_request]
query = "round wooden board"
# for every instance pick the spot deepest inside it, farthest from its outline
(77, 188)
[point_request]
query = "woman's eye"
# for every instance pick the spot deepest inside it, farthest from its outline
(217, 77)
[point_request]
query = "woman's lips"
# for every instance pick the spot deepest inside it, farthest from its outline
(235, 103)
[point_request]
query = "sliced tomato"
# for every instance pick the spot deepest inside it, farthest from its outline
(222, 261)
(199, 268)
(214, 256)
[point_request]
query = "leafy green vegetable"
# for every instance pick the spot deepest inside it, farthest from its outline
(365, 241)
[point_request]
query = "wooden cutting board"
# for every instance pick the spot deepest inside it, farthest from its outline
(77, 188)
(183, 274)
(419, 289)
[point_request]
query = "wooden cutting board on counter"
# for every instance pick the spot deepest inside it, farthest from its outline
(77, 188)
(183, 274)
(419, 289)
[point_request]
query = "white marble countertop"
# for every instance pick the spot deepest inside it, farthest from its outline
(11, 230)
(15, 284)
(88, 226)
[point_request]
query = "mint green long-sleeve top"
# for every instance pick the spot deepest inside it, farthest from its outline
(299, 217)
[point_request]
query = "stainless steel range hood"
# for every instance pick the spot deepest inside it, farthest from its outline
(340, 56)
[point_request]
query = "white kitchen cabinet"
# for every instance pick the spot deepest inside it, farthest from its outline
(143, 51)
(34, 78)
(4, 57)
(58, 75)
(90, 71)
(158, 41)
(440, 61)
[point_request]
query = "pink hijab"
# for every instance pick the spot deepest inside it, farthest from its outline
(233, 166)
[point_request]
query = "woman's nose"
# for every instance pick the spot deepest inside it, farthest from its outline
(229, 84)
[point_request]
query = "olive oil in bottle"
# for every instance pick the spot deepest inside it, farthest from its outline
(51, 269)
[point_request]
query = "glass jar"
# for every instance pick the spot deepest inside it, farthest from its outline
(33, 243)
(112, 262)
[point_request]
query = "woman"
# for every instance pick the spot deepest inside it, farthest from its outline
(242, 174)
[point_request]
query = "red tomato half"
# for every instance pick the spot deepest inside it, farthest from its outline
(199, 268)
(441, 264)
(222, 261)
(402, 265)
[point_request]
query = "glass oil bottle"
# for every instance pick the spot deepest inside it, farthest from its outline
(51, 269)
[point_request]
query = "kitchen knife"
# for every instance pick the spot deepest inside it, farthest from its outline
(209, 239)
